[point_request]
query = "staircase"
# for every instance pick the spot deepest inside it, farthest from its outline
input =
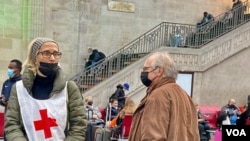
(161, 35)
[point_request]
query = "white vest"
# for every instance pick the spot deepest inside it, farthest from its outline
(44, 120)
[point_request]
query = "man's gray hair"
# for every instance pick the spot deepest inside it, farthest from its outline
(163, 59)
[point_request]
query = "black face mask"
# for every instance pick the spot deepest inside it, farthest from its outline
(48, 69)
(90, 103)
(144, 79)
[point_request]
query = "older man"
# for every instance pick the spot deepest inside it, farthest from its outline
(231, 110)
(166, 113)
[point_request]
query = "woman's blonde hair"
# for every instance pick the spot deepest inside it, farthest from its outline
(129, 107)
(29, 62)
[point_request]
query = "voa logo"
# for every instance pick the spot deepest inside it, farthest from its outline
(236, 132)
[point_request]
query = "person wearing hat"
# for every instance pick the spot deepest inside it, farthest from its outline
(120, 94)
(126, 86)
(43, 105)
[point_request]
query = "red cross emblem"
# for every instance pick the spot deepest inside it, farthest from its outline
(45, 123)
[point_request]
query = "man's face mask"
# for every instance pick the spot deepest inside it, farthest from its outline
(48, 69)
(11, 73)
(144, 79)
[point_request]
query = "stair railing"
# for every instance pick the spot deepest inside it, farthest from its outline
(156, 37)
(164, 34)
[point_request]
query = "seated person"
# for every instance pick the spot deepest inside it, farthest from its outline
(114, 108)
(207, 18)
(128, 108)
(202, 124)
(93, 113)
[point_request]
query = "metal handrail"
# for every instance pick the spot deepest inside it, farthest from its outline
(164, 34)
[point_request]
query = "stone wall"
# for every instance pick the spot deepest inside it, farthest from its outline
(219, 71)
(79, 24)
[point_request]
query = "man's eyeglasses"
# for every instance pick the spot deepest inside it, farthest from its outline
(144, 69)
(48, 54)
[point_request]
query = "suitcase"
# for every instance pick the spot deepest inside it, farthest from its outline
(92, 126)
(104, 133)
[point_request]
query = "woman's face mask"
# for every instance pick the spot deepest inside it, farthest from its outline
(48, 69)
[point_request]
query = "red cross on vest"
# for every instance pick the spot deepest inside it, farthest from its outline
(45, 123)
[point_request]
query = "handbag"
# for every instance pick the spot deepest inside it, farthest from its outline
(113, 122)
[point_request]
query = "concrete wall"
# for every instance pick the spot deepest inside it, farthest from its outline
(79, 24)
(220, 71)
(227, 80)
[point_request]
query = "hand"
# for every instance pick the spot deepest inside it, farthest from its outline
(4, 102)
(95, 117)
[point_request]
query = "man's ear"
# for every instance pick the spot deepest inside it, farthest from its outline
(160, 71)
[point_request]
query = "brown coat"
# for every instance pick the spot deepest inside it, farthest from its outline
(166, 113)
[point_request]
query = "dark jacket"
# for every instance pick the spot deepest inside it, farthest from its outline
(94, 56)
(114, 112)
(120, 95)
(7, 85)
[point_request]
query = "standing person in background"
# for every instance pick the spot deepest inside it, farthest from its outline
(206, 21)
(232, 111)
(120, 94)
(93, 58)
(43, 105)
(238, 11)
(166, 110)
(14, 73)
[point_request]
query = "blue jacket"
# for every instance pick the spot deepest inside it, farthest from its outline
(7, 85)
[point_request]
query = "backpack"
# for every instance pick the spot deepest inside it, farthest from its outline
(102, 56)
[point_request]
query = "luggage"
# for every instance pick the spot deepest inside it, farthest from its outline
(92, 126)
(104, 133)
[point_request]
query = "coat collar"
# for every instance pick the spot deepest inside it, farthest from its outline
(29, 76)
(162, 82)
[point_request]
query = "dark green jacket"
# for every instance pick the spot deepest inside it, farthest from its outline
(76, 129)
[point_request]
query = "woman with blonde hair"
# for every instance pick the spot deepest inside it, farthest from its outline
(128, 109)
(43, 105)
